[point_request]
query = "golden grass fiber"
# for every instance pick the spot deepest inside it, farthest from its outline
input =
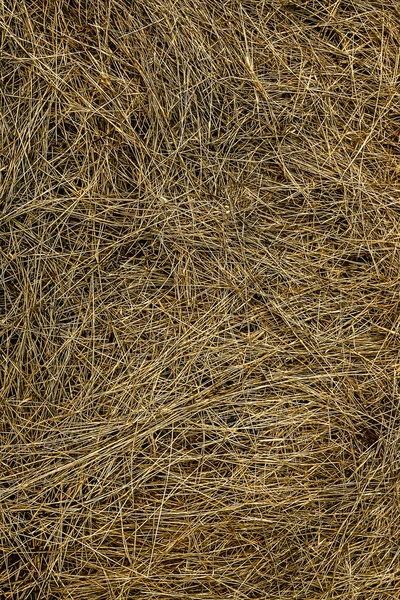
(200, 269)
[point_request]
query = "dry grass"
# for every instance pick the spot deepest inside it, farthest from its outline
(200, 269)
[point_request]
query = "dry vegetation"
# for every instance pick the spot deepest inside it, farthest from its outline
(200, 268)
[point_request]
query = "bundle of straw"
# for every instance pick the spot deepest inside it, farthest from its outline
(199, 296)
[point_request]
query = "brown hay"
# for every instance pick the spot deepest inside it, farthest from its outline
(200, 275)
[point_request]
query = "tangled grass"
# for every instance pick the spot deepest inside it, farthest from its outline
(200, 268)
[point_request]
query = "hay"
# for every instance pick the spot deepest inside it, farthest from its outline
(200, 273)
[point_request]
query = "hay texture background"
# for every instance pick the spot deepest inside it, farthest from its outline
(200, 268)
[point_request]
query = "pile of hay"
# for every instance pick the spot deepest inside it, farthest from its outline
(200, 290)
